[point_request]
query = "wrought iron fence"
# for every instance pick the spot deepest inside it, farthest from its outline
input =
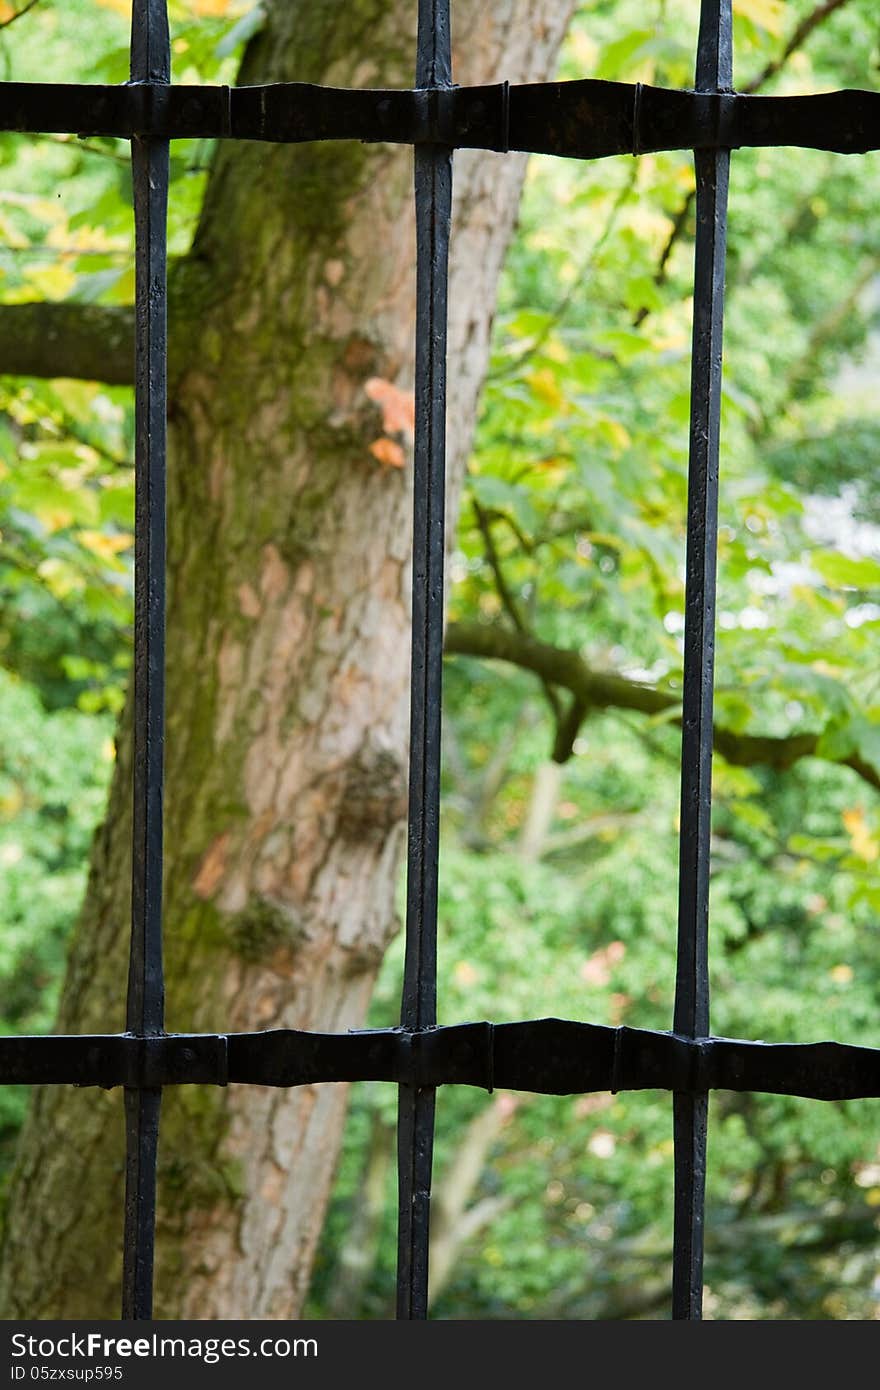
(582, 120)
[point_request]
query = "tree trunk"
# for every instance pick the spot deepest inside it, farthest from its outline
(455, 1219)
(289, 530)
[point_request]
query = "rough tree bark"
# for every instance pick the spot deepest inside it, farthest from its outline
(291, 325)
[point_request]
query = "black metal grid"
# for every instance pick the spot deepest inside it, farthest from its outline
(585, 120)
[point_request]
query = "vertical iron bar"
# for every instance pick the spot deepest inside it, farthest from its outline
(691, 1018)
(150, 63)
(415, 1127)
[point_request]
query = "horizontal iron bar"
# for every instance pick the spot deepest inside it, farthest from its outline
(585, 119)
(550, 1056)
(114, 1059)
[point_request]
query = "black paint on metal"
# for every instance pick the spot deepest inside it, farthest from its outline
(586, 119)
(549, 1056)
(418, 1010)
(691, 1017)
(145, 1011)
(582, 120)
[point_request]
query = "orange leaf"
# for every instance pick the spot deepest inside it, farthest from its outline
(388, 453)
(596, 970)
(398, 407)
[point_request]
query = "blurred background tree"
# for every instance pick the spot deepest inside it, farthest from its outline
(562, 683)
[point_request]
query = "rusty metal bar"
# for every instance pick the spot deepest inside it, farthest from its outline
(691, 1017)
(150, 62)
(433, 201)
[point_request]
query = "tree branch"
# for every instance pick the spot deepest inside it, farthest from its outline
(796, 40)
(606, 690)
(19, 14)
(509, 602)
(558, 314)
(822, 334)
(91, 342)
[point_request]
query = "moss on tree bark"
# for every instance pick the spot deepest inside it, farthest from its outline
(287, 673)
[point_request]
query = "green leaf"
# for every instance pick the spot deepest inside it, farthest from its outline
(249, 24)
(846, 571)
(837, 741)
(618, 57)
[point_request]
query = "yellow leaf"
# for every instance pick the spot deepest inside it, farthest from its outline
(60, 578)
(767, 14)
(53, 281)
(104, 546)
(649, 223)
(584, 49)
(864, 844)
(11, 803)
(556, 350)
(210, 7)
(553, 467)
(54, 518)
(546, 388)
(81, 238)
(616, 433)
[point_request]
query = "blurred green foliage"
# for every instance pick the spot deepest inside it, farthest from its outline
(578, 485)
(53, 778)
(545, 1207)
